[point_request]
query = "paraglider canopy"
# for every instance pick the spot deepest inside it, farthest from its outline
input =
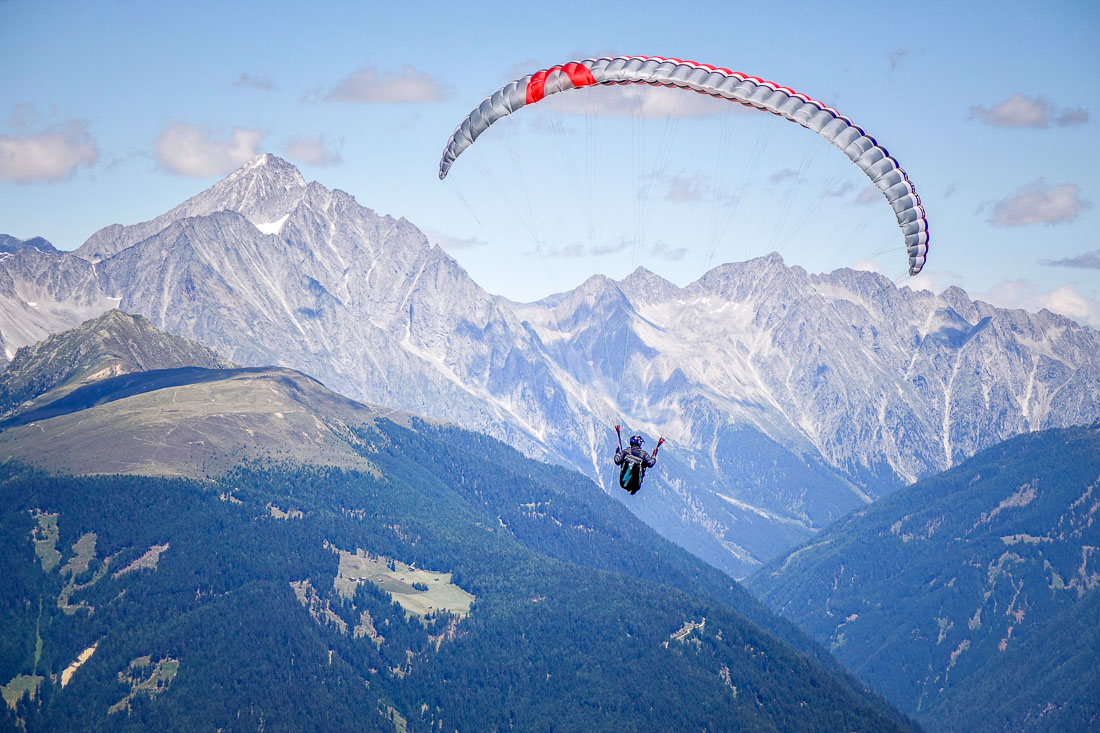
(862, 149)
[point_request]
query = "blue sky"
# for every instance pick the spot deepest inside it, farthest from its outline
(117, 111)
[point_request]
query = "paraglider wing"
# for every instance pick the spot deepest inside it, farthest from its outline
(861, 148)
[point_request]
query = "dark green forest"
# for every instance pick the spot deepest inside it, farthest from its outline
(970, 599)
(583, 620)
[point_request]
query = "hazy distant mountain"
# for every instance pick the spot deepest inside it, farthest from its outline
(971, 599)
(44, 292)
(10, 244)
(336, 570)
(788, 399)
(108, 346)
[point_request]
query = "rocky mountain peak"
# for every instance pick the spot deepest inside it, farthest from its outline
(261, 179)
(740, 280)
(597, 294)
(114, 343)
(645, 286)
(265, 190)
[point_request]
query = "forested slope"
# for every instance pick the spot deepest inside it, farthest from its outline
(970, 599)
(239, 620)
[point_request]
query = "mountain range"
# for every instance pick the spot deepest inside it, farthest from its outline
(788, 399)
(971, 599)
(347, 568)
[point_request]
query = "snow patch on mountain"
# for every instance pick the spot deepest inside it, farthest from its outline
(272, 227)
(762, 512)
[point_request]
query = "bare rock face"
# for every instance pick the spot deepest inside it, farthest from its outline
(788, 398)
(44, 292)
(11, 245)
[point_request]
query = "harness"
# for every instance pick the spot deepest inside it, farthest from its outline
(632, 472)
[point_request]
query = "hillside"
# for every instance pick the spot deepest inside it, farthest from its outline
(110, 345)
(789, 398)
(970, 599)
(234, 605)
(423, 574)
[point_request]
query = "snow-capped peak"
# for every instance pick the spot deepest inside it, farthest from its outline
(265, 190)
(267, 170)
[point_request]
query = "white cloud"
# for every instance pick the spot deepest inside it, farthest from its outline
(1070, 302)
(530, 65)
(189, 150)
(639, 101)
(666, 251)
(577, 250)
(897, 271)
(26, 116)
(683, 188)
(1038, 203)
(368, 85)
(870, 265)
(935, 281)
(574, 250)
(1090, 260)
(840, 189)
(312, 151)
(1007, 293)
(252, 81)
(1068, 117)
(1020, 110)
(869, 195)
(785, 174)
(450, 242)
(46, 155)
(521, 69)
(1065, 300)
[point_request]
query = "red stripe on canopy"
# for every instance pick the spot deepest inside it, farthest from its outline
(579, 74)
(536, 88)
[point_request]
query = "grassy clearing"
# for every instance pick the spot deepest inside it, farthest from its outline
(21, 684)
(278, 513)
(38, 637)
(397, 579)
(365, 627)
(148, 561)
(84, 550)
(45, 540)
(319, 608)
(685, 631)
(67, 673)
(400, 725)
(145, 682)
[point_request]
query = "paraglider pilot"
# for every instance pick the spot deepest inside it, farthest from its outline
(634, 461)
